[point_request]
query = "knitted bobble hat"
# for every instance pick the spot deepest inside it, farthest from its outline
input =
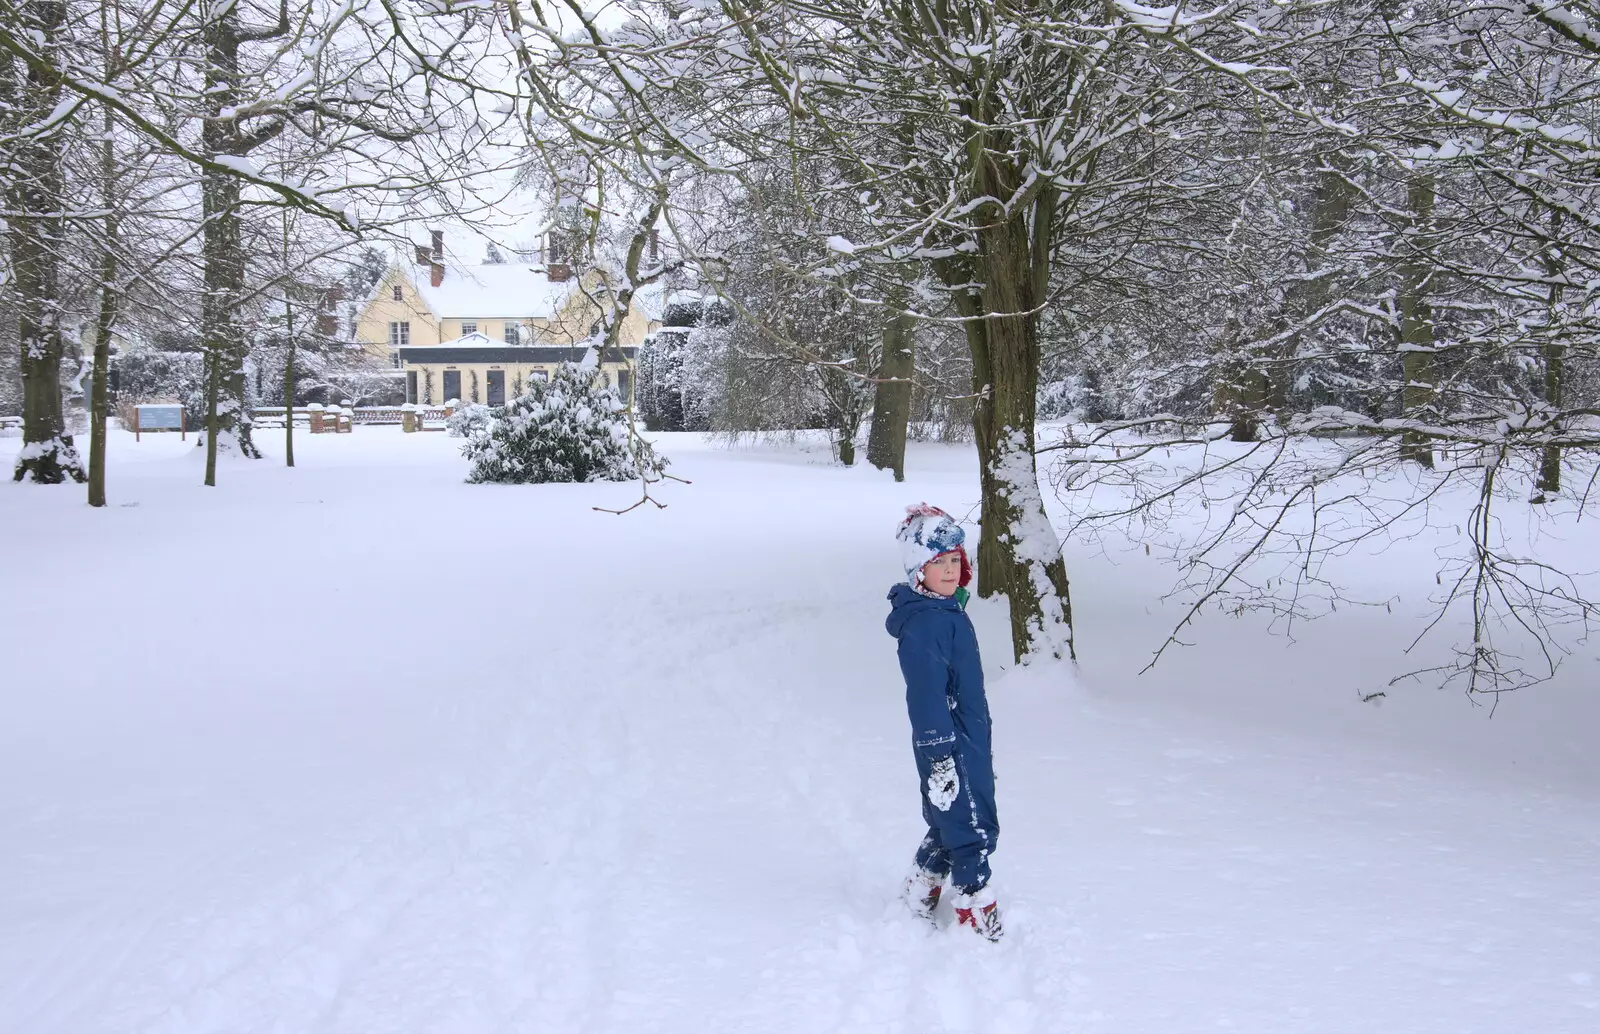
(926, 534)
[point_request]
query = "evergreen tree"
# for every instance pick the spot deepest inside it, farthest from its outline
(569, 428)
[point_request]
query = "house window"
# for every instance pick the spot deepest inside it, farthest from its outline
(624, 384)
(411, 386)
(468, 327)
(398, 294)
(541, 375)
(513, 334)
(399, 333)
(452, 385)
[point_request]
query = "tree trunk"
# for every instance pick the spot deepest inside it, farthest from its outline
(1252, 390)
(891, 404)
(991, 561)
(1240, 391)
(98, 393)
(848, 397)
(288, 385)
(106, 318)
(288, 354)
(1554, 352)
(1416, 319)
(1555, 367)
(1018, 540)
(33, 193)
(222, 252)
(222, 337)
(1018, 551)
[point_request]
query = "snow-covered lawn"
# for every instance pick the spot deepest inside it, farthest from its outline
(358, 747)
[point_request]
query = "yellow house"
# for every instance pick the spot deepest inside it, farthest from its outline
(475, 333)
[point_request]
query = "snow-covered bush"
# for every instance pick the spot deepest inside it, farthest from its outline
(467, 419)
(659, 396)
(153, 376)
(568, 428)
(680, 368)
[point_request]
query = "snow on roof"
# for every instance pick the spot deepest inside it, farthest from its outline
(496, 289)
(475, 339)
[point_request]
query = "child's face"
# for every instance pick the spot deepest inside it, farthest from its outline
(942, 575)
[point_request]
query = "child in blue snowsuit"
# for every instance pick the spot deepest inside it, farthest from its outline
(949, 720)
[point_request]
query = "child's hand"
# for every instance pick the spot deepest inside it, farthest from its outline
(943, 784)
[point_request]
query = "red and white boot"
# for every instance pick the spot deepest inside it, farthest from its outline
(922, 892)
(980, 911)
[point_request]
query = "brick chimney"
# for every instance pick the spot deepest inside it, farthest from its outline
(558, 272)
(436, 261)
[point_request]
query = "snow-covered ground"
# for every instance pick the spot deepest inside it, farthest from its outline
(358, 747)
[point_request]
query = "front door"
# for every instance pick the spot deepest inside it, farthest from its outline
(497, 387)
(452, 385)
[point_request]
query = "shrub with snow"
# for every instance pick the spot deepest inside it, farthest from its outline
(569, 428)
(467, 419)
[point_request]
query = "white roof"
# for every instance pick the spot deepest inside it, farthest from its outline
(513, 289)
(476, 339)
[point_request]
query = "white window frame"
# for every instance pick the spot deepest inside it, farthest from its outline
(469, 327)
(398, 293)
(399, 333)
(512, 334)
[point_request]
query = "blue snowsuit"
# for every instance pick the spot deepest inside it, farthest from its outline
(949, 716)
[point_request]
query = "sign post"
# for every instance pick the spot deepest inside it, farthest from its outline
(162, 417)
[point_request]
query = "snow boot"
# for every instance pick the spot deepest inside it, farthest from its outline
(922, 892)
(980, 911)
